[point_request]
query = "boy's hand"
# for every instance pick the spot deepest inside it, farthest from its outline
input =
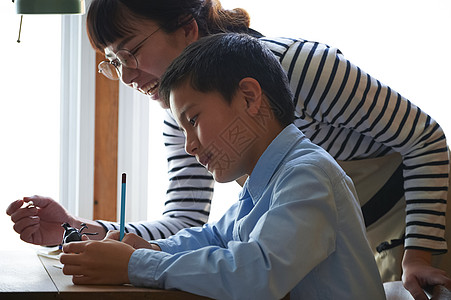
(39, 222)
(419, 274)
(132, 239)
(97, 262)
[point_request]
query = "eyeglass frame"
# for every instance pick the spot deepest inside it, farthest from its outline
(116, 63)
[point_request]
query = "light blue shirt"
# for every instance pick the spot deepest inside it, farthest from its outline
(296, 228)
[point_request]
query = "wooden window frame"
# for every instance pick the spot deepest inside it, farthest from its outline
(106, 146)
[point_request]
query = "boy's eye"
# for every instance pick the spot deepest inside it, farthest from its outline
(192, 121)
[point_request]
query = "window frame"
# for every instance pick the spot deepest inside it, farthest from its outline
(77, 117)
(78, 133)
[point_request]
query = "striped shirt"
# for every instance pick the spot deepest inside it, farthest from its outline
(348, 113)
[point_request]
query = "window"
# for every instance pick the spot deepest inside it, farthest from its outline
(29, 107)
(47, 110)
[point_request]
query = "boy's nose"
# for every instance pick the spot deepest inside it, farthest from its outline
(190, 146)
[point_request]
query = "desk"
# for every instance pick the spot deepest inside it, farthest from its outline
(25, 275)
(396, 291)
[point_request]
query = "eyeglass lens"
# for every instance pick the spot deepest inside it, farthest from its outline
(127, 59)
(109, 70)
(113, 70)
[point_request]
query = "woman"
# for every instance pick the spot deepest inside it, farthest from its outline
(395, 153)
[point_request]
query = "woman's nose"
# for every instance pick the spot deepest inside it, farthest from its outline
(128, 76)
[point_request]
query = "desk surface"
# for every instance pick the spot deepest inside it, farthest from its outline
(25, 275)
(396, 291)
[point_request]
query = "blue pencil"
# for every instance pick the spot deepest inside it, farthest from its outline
(122, 221)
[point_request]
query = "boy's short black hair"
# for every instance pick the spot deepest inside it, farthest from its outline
(219, 62)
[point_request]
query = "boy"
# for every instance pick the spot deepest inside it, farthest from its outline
(297, 227)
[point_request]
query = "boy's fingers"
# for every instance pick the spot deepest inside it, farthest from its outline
(74, 247)
(113, 235)
(82, 280)
(70, 259)
(70, 269)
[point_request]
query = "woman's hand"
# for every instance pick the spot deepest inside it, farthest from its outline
(38, 220)
(97, 262)
(419, 274)
(133, 240)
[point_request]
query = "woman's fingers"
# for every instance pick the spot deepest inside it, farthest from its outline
(38, 200)
(28, 234)
(13, 207)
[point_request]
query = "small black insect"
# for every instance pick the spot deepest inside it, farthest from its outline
(72, 234)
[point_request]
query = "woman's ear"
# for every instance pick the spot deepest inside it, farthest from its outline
(252, 93)
(191, 31)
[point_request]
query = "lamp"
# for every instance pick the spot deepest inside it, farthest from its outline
(24, 7)
(50, 6)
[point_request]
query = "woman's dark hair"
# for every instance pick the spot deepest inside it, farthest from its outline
(219, 62)
(110, 20)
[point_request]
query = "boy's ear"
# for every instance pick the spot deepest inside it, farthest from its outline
(191, 31)
(252, 92)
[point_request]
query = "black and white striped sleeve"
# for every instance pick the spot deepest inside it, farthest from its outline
(354, 116)
(189, 194)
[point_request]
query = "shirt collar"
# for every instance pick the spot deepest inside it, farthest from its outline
(269, 162)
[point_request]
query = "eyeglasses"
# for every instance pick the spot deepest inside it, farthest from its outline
(112, 69)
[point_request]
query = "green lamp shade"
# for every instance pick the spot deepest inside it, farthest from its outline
(50, 6)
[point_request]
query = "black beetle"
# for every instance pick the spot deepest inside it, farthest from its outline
(72, 234)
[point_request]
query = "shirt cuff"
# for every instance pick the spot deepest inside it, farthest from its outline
(142, 268)
(168, 246)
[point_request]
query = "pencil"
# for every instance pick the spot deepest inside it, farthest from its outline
(122, 221)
